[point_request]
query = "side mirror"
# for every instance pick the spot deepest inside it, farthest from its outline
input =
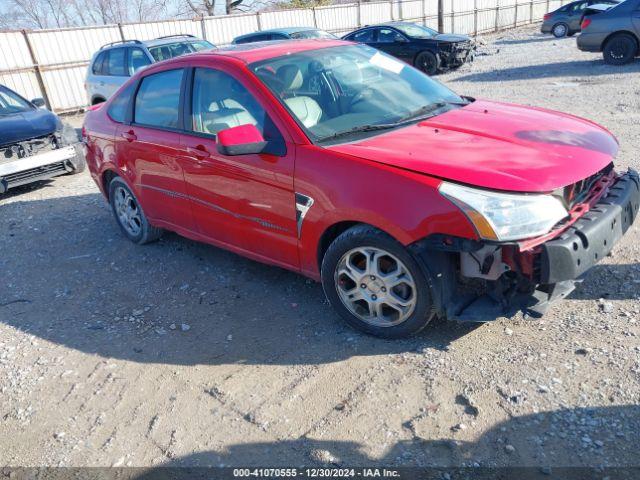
(38, 102)
(241, 140)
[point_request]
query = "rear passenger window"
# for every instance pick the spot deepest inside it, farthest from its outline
(158, 99)
(137, 60)
(116, 64)
(119, 105)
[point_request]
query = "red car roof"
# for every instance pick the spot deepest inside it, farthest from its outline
(255, 52)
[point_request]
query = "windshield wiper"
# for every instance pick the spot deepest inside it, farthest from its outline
(361, 128)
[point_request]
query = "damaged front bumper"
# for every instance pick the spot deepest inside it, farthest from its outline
(528, 276)
(20, 171)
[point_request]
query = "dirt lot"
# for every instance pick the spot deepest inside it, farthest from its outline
(178, 353)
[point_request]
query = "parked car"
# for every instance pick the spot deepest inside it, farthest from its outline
(291, 33)
(420, 46)
(340, 162)
(115, 62)
(34, 143)
(615, 32)
(566, 20)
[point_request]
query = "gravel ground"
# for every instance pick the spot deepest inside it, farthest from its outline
(178, 353)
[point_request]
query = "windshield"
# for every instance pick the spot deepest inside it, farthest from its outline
(170, 50)
(11, 102)
(416, 31)
(312, 34)
(344, 90)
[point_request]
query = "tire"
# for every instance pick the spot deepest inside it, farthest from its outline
(560, 30)
(362, 290)
(620, 49)
(428, 62)
(124, 205)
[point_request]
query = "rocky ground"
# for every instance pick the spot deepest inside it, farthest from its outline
(178, 353)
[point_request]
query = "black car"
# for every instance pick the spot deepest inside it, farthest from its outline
(422, 47)
(34, 143)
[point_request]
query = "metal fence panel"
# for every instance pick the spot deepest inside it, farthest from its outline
(14, 52)
(55, 66)
(70, 45)
(286, 18)
(374, 12)
(147, 31)
(337, 19)
(221, 30)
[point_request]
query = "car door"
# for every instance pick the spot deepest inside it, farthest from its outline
(635, 18)
(394, 43)
(150, 149)
(137, 58)
(244, 202)
(365, 36)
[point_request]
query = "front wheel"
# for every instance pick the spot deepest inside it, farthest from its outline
(428, 62)
(375, 284)
(620, 49)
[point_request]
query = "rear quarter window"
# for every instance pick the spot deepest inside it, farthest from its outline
(120, 104)
(98, 63)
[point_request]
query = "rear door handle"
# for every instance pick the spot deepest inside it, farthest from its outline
(200, 152)
(129, 136)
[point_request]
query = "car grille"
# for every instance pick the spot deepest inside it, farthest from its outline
(28, 148)
(33, 174)
(577, 192)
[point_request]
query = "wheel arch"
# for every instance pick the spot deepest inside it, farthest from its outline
(336, 229)
(105, 179)
(622, 32)
(97, 99)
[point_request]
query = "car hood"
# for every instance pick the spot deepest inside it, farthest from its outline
(22, 126)
(453, 38)
(496, 146)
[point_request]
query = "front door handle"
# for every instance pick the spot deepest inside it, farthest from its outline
(129, 136)
(200, 152)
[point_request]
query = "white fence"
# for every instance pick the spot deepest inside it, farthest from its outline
(52, 63)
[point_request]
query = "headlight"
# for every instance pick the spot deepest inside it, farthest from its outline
(505, 216)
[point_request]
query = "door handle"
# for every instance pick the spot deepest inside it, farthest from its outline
(129, 136)
(200, 152)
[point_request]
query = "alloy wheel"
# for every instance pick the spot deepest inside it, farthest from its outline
(375, 286)
(128, 211)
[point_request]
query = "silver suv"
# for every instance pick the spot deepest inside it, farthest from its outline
(115, 62)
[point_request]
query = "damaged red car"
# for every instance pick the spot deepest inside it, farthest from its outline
(406, 200)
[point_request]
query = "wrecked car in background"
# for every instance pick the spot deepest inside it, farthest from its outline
(420, 46)
(34, 143)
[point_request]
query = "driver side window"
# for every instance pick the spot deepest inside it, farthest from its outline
(219, 102)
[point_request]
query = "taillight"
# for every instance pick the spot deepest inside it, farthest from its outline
(585, 23)
(546, 16)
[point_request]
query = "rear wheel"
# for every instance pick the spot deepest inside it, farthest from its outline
(620, 49)
(129, 214)
(375, 284)
(560, 30)
(428, 62)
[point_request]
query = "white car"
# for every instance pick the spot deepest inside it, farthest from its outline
(115, 62)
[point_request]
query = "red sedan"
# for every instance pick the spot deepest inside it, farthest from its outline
(339, 162)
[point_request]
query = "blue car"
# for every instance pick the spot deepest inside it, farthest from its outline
(290, 33)
(34, 143)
